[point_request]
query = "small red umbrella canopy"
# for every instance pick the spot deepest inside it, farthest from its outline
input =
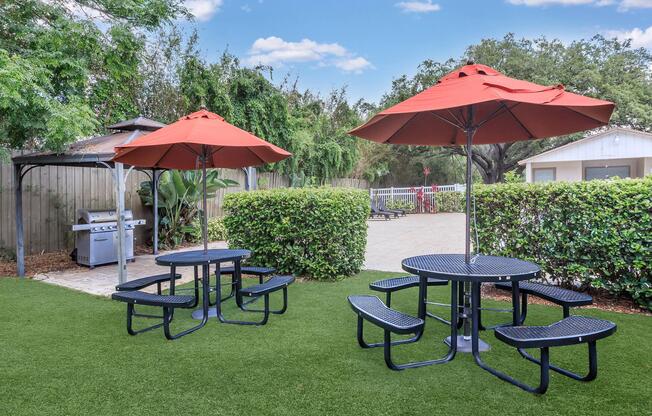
(199, 139)
(476, 104)
(183, 143)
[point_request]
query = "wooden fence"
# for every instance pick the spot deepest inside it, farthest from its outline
(53, 194)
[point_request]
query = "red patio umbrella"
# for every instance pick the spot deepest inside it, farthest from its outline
(476, 104)
(199, 139)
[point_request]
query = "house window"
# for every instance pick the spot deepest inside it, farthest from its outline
(544, 174)
(606, 172)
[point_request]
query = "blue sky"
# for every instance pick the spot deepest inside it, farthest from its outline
(364, 44)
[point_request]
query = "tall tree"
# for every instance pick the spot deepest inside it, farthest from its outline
(604, 68)
(67, 66)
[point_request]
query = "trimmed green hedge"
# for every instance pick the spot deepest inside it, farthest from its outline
(450, 201)
(216, 230)
(319, 233)
(596, 233)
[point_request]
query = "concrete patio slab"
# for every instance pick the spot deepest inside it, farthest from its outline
(388, 242)
(103, 279)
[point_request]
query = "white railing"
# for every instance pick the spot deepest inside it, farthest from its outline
(422, 198)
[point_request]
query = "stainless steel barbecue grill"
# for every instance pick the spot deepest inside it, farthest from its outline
(96, 241)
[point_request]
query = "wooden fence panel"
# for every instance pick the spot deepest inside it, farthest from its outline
(53, 194)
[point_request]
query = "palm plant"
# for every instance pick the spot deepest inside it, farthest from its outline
(179, 194)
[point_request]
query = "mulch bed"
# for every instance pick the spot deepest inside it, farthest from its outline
(60, 260)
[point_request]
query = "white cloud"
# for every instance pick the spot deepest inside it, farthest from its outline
(418, 6)
(246, 8)
(356, 65)
(203, 10)
(276, 51)
(623, 5)
(641, 38)
(634, 4)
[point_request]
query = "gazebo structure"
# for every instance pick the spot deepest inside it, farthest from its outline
(96, 152)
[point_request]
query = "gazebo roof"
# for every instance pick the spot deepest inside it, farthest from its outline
(138, 123)
(91, 152)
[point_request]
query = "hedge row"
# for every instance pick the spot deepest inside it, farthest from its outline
(450, 201)
(596, 233)
(319, 233)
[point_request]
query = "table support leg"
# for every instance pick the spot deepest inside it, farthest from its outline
(471, 313)
(205, 310)
(543, 363)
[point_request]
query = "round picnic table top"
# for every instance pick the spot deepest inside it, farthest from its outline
(199, 257)
(481, 268)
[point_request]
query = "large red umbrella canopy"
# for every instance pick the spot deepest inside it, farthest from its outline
(181, 145)
(504, 110)
(476, 104)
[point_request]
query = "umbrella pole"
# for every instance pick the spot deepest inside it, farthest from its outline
(204, 228)
(469, 183)
(467, 235)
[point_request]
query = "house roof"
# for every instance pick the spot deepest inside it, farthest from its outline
(564, 153)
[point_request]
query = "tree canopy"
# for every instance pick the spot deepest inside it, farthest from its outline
(70, 68)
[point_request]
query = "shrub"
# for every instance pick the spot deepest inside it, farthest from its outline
(596, 233)
(319, 233)
(450, 201)
(400, 204)
(216, 230)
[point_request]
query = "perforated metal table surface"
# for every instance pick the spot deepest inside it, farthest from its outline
(199, 258)
(481, 269)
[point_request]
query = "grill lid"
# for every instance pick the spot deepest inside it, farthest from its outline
(87, 216)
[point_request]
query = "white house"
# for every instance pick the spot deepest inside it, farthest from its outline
(618, 152)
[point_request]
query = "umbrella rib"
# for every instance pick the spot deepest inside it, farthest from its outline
(501, 108)
(520, 123)
(191, 149)
(446, 120)
(164, 155)
(399, 129)
(455, 117)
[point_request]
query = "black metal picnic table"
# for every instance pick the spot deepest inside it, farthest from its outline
(481, 269)
(197, 258)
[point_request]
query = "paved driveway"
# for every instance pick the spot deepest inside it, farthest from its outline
(389, 242)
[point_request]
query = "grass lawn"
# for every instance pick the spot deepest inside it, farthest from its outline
(68, 353)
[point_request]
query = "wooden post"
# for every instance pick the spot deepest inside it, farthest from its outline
(155, 203)
(119, 181)
(20, 242)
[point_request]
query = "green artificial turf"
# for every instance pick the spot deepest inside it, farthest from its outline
(67, 353)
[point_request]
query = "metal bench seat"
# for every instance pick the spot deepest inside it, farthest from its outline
(144, 282)
(555, 294)
(398, 283)
(563, 297)
(569, 331)
(374, 310)
(150, 299)
(272, 285)
(167, 302)
(251, 270)
(388, 286)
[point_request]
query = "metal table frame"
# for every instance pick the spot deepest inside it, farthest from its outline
(471, 311)
(197, 258)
